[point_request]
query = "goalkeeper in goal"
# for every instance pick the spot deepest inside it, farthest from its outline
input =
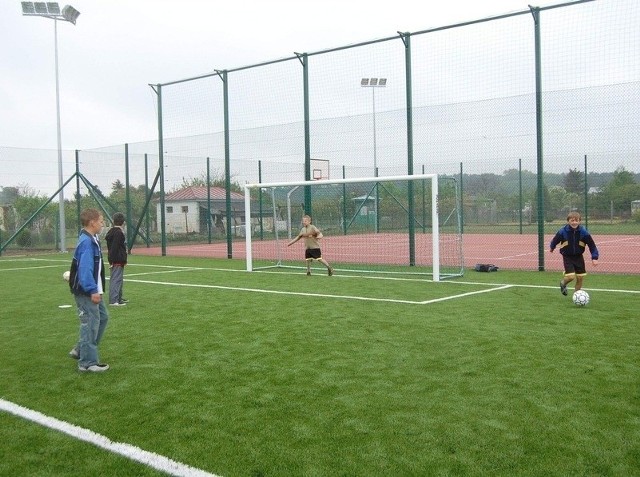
(311, 234)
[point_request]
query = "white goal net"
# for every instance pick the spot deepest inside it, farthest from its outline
(382, 225)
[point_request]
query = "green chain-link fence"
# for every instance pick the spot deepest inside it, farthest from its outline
(535, 112)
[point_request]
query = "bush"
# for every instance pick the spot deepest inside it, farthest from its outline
(48, 236)
(24, 238)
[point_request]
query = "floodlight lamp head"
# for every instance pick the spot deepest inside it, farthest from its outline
(28, 8)
(50, 10)
(53, 8)
(375, 82)
(43, 9)
(70, 14)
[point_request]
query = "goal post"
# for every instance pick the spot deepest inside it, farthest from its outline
(406, 224)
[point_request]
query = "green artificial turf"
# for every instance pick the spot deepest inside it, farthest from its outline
(279, 374)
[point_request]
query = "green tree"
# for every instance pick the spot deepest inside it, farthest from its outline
(217, 180)
(117, 185)
(620, 191)
(621, 177)
(482, 185)
(138, 197)
(556, 198)
(549, 213)
(573, 181)
(42, 225)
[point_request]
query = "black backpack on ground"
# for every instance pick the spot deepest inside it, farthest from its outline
(485, 267)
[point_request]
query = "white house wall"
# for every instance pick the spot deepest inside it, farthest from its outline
(179, 222)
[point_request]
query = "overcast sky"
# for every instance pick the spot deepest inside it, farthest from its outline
(118, 47)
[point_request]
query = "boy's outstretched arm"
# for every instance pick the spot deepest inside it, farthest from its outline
(295, 240)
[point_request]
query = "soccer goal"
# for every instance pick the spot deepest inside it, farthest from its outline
(394, 225)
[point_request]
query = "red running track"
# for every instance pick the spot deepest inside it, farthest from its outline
(618, 253)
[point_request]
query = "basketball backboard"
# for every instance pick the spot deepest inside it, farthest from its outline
(319, 169)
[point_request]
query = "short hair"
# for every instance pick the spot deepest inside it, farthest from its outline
(573, 215)
(118, 218)
(88, 215)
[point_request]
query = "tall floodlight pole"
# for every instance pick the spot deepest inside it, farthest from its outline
(374, 83)
(67, 14)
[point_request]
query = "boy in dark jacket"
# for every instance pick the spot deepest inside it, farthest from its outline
(86, 282)
(573, 238)
(117, 256)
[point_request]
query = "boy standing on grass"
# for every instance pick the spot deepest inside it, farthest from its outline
(87, 282)
(310, 233)
(573, 238)
(117, 257)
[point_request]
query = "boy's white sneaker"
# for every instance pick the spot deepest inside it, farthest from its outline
(94, 368)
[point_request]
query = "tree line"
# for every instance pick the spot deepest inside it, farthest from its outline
(608, 193)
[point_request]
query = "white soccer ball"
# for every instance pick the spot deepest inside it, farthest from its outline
(581, 298)
(66, 275)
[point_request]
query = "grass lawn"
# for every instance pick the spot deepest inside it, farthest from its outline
(279, 374)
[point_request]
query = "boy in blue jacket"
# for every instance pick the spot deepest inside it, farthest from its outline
(87, 283)
(573, 238)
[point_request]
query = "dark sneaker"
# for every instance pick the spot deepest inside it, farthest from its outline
(94, 368)
(124, 300)
(563, 288)
(74, 354)
(330, 271)
(118, 304)
(308, 273)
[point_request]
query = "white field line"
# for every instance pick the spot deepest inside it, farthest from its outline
(176, 268)
(455, 281)
(553, 287)
(28, 268)
(158, 462)
(618, 240)
(163, 271)
(493, 287)
(173, 270)
(506, 257)
(168, 266)
(320, 295)
(452, 297)
(274, 292)
(67, 259)
(24, 258)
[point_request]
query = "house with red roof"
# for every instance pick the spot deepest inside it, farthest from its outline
(186, 210)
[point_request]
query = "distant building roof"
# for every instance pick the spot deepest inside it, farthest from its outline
(199, 193)
(364, 198)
